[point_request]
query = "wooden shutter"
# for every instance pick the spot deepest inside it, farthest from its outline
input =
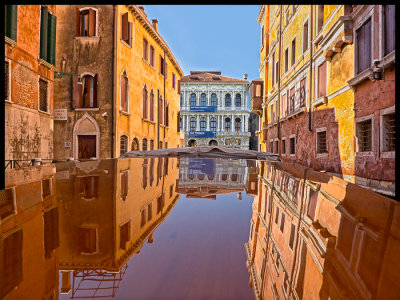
(390, 33)
(178, 120)
(92, 22)
(130, 34)
(77, 22)
(284, 105)
(125, 27)
(11, 25)
(95, 91)
(76, 92)
(160, 64)
(322, 80)
(43, 32)
(367, 44)
(51, 39)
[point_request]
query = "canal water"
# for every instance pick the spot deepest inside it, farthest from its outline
(194, 228)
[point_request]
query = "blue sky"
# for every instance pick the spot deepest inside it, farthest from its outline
(211, 37)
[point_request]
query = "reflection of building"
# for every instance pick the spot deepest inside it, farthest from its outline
(252, 178)
(215, 110)
(29, 241)
(109, 209)
(208, 177)
(315, 236)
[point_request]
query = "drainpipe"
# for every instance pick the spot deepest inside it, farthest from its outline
(114, 84)
(311, 53)
(278, 107)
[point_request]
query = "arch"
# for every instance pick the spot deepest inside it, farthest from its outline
(213, 143)
(228, 100)
(85, 126)
(203, 100)
(123, 144)
(227, 124)
(192, 143)
(201, 176)
(238, 100)
(88, 98)
(135, 144)
(144, 144)
(213, 99)
(238, 124)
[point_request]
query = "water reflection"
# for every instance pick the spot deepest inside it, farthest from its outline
(316, 236)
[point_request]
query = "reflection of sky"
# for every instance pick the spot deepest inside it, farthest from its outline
(201, 166)
(197, 253)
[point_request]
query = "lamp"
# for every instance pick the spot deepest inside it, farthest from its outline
(377, 72)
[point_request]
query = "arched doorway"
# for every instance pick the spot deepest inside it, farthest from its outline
(192, 143)
(213, 143)
(86, 138)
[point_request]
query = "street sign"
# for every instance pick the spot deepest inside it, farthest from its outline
(202, 134)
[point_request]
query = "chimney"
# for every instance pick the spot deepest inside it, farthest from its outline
(155, 22)
(142, 8)
(245, 76)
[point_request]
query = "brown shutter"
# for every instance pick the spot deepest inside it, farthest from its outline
(92, 22)
(123, 92)
(130, 34)
(322, 80)
(166, 69)
(78, 23)
(284, 105)
(178, 117)
(125, 26)
(367, 44)
(95, 91)
(160, 63)
(76, 91)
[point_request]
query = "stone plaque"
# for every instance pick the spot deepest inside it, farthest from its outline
(60, 114)
(67, 145)
(62, 175)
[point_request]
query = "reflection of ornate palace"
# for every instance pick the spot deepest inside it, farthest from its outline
(29, 241)
(206, 177)
(313, 235)
(107, 213)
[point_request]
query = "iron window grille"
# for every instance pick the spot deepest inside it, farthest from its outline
(389, 132)
(321, 142)
(297, 100)
(364, 136)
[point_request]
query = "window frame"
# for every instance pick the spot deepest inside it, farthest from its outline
(292, 136)
(318, 81)
(321, 154)
(125, 136)
(283, 146)
(9, 82)
(213, 121)
(356, 122)
(145, 54)
(96, 22)
(306, 43)
(230, 100)
(151, 56)
(214, 98)
(128, 42)
(358, 22)
(47, 111)
(203, 99)
(293, 53)
(124, 74)
(382, 113)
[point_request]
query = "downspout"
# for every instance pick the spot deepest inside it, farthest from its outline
(311, 54)
(114, 83)
(279, 75)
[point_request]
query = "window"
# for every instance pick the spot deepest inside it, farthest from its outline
(126, 30)
(144, 170)
(124, 184)
(123, 144)
(163, 67)
(144, 102)
(271, 148)
(390, 33)
(143, 217)
(364, 45)
(171, 190)
(312, 204)
(193, 99)
(276, 147)
(124, 234)
(149, 211)
(283, 146)
(160, 110)
(227, 143)
(7, 67)
(87, 238)
(292, 145)
(202, 123)
(51, 238)
(364, 135)
(345, 237)
(286, 59)
(237, 125)
(277, 215)
(320, 17)
(167, 115)
(135, 144)
(160, 203)
(213, 124)
(292, 234)
(322, 79)
(228, 100)
(293, 51)
(227, 124)
(124, 92)
(213, 100)
(321, 142)
(43, 101)
(305, 36)
(277, 71)
(192, 124)
(144, 145)
(303, 95)
(11, 256)
(151, 145)
(145, 50)
(11, 21)
(238, 100)
(151, 106)
(273, 69)
(389, 132)
(238, 142)
(173, 80)
(86, 22)
(46, 188)
(262, 36)
(203, 100)
(152, 56)
(47, 36)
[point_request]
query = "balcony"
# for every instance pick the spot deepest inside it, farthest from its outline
(296, 102)
(256, 95)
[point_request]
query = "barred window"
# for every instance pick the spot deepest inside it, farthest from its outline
(321, 142)
(389, 132)
(123, 144)
(43, 95)
(364, 135)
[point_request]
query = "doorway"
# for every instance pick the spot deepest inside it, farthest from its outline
(86, 146)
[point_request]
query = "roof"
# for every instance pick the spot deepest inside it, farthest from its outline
(209, 76)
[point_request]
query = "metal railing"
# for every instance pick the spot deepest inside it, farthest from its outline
(298, 100)
(20, 163)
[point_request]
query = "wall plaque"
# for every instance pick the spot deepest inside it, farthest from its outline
(60, 114)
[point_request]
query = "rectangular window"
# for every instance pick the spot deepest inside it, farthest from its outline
(11, 21)
(277, 147)
(272, 147)
(152, 56)
(293, 51)
(303, 95)
(292, 145)
(143, 217)
(277, 215)
(320, 18)
(273, 69)
(51, 238)
(364, 45)
(282, 222)
(126, 30)
(292, 234)
(6, 81)
(286, 59)
(160, 203)
(124, 235)
(262, 36)
(305, 36)
(85, 22)
(11, 270)
(149, 211)
(47, 35)
(390, 25)
(87, 240)
(322, 79)
(173, 80)
(171, 190)
(389, 132)
(321, 142)
(162, 65)
(277, 71)
(283, 146)
(312, 204)
(145, 49)
(364, 135)
(46, 188)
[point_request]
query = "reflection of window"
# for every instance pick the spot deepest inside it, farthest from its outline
(87, 240)
(282, 222)
(143, 217)
(369, 260)
(51, 240)
(312, 204)
(144, 173)
(43, 99)
(7, 203)
(11, 270)
(124, 184)
(124, 234)
(46, 188)
(160, 203)
(88, 187)
(171, 190)
(345, 237)
(292, 233)
(277, 215)
(149, 211)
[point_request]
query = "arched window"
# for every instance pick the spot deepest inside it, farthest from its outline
(228, 100)
(151, 106)
(88, 98)
(191, 176)
(200, 176)
(227, 124)
(166, 146)
(234, 177)
(151, 145)
(123, 144)
(193, 99)
(124, 92)
(213, 124)
(135, 144)
(144, 145)
(181, 99)
(210, 176)
(202, 123)
(238, 100)
(203, 100)
(192, 124)
(237, 124)
(213, 100)
(145, 115)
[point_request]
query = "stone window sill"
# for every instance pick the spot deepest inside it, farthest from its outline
(9, 41)
(46, 64)
(87, 109)
(356, 80)
(121, 112)
(79, 37)
(125, 43)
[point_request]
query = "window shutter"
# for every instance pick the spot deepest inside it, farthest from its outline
(92, 22)
(178, 120)
(166, 70)
(179, 86)
(11, 26)
(130, 34)
(51, 39)
(76, 91)
(123, 92)
(77, 22)
(43, 32)
(160, 63)
(322, 80)
(95, 91)
(390, 34)
(367, 44)
(125, 26)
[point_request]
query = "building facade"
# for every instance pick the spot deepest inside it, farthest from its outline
(30, 36)
(312, 68)
(115, 92)
(214, 110)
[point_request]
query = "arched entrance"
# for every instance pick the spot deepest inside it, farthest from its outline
(213, 143)
(86, 138)
(192, 143)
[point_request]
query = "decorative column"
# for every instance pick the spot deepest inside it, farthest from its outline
(242, 125)
(208, 123)
(233, 123)
(246, 129)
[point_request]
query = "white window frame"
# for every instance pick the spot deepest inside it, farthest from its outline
(96, 21)
(9, 80)
(362, 119)
(321, 155)
(382, 113)
(292, 136)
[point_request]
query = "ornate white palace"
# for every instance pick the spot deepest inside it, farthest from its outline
(214, 110)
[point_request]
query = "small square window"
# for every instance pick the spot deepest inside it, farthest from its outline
(364, 135)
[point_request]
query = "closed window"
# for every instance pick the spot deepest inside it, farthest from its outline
(203, 100)
(292, 145)
(286, 59)
(364, 135)
(123, 144)
(273, 69)
(305, 36)
(124, 234)
(389, 132)
(124, 184)
(160, 110)
(277, 72)
(228, 100)
(167, 115)
(11, 21)
(135, 144)
(390, 25)
(192, 124)
(144, 102)
(86, 22)
(145, 50)
(293, 51)
(322, 79)
(213, 100)
(151, 106)
(227, 124)
(47, 36)
(163, 67)
(126, 30)
(292, 234)
(237, 124)
(43, 97)
(238, 100)
(173, 80)
(283, 146)
(276, 147)
(320, 17)
(193, 99)
(87, 240)
(151, 145)
(152, 56)
(7, 66)
(364, 45)
(202, 123)
(213, 124)
(124, 92)
(321, 142)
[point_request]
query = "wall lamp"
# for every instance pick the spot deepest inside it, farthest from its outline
(377, 72)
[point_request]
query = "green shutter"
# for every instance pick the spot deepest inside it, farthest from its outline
(43, 32)
(51, 39)
(11, 22)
